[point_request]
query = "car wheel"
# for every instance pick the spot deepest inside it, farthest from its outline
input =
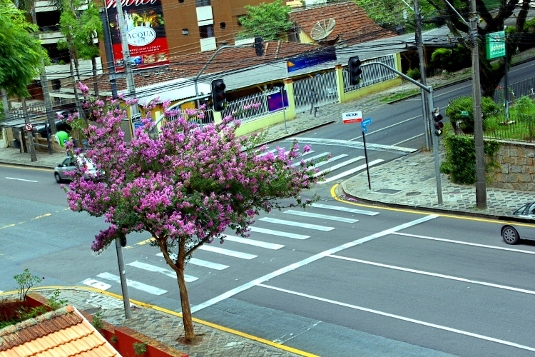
(57, 177)
(510, 235)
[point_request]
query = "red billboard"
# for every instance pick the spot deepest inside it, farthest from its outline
(144, 30)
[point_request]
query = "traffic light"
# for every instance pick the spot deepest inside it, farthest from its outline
(259, 46)
(219, 98)
(439, 125)
(354, 70)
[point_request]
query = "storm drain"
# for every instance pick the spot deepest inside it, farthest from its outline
(413, 193)
(387, 191)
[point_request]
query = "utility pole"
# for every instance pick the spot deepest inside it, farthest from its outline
(130, 84)
(109, 52)
(423, 75)
(481, 183)
(33, 156)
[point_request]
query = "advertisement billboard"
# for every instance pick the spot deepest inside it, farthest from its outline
(144, 31)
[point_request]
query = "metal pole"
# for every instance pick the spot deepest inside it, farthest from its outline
(109, 52)
(33, 156)
(48, 103)
(481, 183)
(283, 109)
(435, 150)
(366, 158)
(124, 286)
(506, 86)
(423, 71)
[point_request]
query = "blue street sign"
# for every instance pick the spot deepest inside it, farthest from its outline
(364, 129)
(366, 121)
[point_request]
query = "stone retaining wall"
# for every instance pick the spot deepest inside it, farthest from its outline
(517, 167)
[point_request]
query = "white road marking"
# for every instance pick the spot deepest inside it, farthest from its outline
(231, 253)
(320, 156)
(337, 166)
(345, 209)
(465, 243)
(352, 171)
(199, 262)
(356, 144)
(403, 318)
(296, 224)
(321, 216)
(133, 284)
(442, 276)
(278, 233)
(207, 264)
(19, 179)
(306, 261)
(253, 242)
(96, 284)
(155, 269)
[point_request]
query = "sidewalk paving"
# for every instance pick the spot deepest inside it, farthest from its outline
(407, 182)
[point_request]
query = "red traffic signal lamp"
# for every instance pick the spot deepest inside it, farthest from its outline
(354, 70)
(439, 125)
(219, 98)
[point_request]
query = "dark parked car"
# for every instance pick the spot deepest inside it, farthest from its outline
(522, 225)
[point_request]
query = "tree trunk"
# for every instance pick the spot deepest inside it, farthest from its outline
(189, 333)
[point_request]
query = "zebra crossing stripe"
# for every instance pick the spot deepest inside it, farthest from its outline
(133, 284)
(321, 216)
(155, 269)
(317, 157)
(330, 161)
(96, 284)
(228, 252)
(278, 233)
(345, 209)
(199, 262)
(297, 224)
(342, 164)
(352, 171)
(253, 242)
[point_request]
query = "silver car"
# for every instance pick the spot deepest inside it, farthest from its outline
(522, 225)
(65, 170)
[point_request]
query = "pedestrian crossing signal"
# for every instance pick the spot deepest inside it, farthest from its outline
(439, 125)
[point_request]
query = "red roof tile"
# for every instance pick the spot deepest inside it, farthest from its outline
(63, 332)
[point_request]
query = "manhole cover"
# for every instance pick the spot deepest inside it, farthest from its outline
(388, 191)
(414, 193)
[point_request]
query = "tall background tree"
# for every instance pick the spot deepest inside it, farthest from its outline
(185, 186)
(492, 18)
(21, 53)
(269, 21)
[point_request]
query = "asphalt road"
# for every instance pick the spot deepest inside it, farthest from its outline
(337, 280)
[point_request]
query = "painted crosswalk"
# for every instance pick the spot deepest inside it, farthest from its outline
(269, 234)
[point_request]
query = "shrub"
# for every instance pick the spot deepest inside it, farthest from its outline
(466, 104)
(414, 73)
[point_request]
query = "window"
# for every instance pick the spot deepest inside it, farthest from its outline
(180, 1)
(206, 31)
(185, 32)
(223, 25)
(202, 3)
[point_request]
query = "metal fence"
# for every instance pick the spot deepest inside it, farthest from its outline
(373, 74)
(516, 91)
(324, 87)
(251, 107)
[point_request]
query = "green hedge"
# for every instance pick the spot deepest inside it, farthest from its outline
(460, 161)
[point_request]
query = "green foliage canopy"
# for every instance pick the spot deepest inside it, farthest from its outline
(460, 104)
(269, 21)
(21, 54)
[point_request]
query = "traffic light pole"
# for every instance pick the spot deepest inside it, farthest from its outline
(429, 91)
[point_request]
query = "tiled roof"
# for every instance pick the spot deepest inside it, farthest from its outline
(352, 24)
(63, 332)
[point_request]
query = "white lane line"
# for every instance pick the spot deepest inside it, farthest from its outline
(279, 233)
(403, 318)
(154, 269)
(96, 284)
(253, 242)
(19, 179)
(442, 276)
(359, 145)
(207, 264)
(230, 253)
(133, 284)
(306, 261)
(199, 262)
(321, 216)
(465, 243)
(345, 209)
(296, 224)
(352, 171)
(337, 166)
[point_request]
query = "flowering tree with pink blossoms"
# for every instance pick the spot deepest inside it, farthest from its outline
(185, 184)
